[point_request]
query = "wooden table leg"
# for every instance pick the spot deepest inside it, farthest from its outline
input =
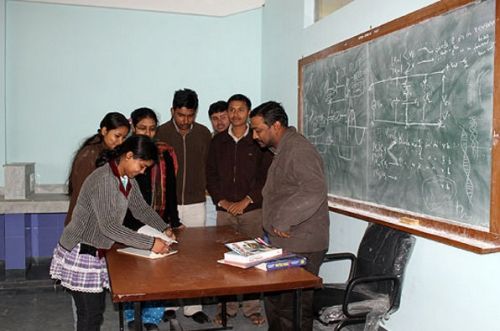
(297, 309)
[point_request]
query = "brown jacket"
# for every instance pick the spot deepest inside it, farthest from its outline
(191, 151)
(295, 196)
(83, 166)
(235, 170)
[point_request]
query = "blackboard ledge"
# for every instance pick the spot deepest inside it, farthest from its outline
(474, 239)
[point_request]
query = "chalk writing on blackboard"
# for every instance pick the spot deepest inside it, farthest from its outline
(405, 120)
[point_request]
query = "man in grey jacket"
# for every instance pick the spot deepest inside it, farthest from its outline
(295, 208)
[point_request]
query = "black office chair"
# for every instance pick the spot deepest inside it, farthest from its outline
(374, 284)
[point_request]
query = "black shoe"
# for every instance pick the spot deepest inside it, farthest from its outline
(169, 315)
(151, 327)
(200, 317)
(131, 325)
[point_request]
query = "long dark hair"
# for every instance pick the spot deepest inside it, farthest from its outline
(141, 146)
(111, 121)
(141, 113)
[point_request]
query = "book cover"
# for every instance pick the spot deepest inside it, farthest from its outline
(144, 252)
(284, 262)
(250, 251)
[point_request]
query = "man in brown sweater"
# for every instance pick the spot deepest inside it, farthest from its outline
(191, 142)
(294, 207)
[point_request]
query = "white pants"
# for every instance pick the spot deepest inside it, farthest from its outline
(188, 310)
(192, 215)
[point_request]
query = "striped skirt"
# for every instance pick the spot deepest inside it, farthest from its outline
(79, 272)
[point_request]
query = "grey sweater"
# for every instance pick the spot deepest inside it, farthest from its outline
(99, 212)
(295, 196)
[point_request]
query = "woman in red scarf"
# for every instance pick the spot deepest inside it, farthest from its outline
(157, 186)
(158, 182)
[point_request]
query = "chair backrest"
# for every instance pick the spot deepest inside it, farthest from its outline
(383, 251)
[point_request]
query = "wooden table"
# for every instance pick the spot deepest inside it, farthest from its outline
(195, 273)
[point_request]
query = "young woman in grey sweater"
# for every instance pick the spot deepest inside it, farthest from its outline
(97, 223)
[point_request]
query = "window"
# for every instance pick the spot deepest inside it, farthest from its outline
(324, 8)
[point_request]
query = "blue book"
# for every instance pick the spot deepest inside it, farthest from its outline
(283, 262)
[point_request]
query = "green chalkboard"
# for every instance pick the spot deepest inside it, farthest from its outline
(405, 120)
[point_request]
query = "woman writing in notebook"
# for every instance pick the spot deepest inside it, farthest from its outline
(113, 130)
(97, 223)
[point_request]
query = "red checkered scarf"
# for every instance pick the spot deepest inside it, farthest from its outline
(159, 177)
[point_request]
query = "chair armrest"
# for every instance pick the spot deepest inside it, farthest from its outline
(342, 256)
(370, 279)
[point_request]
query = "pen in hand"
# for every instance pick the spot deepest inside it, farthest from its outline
(160, 246)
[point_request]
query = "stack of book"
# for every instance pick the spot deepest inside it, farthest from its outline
(257, 253)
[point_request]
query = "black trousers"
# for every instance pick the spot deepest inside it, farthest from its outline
(89, 310)
(279, 307)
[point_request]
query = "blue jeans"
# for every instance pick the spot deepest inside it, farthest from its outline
(152, 312)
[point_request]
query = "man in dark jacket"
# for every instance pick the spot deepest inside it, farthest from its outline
(294, 207)
(236, 172)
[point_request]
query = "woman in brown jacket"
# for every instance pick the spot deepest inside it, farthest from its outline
(113, 130)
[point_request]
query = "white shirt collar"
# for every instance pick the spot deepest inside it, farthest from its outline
(236, 139)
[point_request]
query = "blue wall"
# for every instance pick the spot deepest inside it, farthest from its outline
(2, 235)
(46, 229)
(69, 65)
(445, 288)
(28, 235)
(2, 89)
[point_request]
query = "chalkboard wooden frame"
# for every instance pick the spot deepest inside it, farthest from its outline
(476, 239)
